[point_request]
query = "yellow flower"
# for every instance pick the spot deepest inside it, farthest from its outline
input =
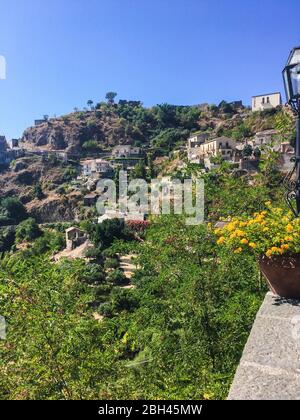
(221, 240)
(289, 228)
(288, 238)
(244, 241)
(275, 249)
(238, 250)
(239, 233)
(217, 231)
(252, 244)
(243, 224)
(269, 253)
(231, 226)
(285, 246)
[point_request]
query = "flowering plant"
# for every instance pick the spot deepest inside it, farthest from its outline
(271, 232)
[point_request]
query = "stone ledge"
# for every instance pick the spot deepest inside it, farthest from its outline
(270, 365)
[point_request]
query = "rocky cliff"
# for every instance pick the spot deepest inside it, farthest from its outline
(72, 132)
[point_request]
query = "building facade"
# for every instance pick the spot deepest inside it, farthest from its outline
(220, 146)
(266, 101)
(265, 137)
(126, 151)
(92, 167)
(197, 139)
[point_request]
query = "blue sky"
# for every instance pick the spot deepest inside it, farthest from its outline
(60, 53)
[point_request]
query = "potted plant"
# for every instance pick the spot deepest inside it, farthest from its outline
(273, 236)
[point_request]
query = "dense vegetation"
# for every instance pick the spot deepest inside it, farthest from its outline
(75, 332)
(178, 334)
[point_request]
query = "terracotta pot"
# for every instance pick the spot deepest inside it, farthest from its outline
(282, 274)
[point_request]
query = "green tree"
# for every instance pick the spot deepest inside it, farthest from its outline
(139, 171)
(247, 150)
(110, 97)
(38, 191)
(14, 209)
(28, 230)
(90, 103)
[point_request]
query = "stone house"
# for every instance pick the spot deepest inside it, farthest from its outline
(266, 101)
(223, 146)
(264, 137)
(39, 122)
(197, 139)
(15, 143)
(3, 144)
(6, 154)
(75, 237)
(90, 199)
(95, 167)
(126, 151)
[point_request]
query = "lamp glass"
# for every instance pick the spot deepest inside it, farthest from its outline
(295, 58)
(286, 84)
(295, 79)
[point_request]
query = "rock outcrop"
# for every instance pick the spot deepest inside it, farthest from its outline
(70, 132)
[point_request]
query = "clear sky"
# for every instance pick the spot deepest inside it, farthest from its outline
(60, 53)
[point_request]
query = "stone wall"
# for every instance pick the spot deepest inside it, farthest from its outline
(270, 365)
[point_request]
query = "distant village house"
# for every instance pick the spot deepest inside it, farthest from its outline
(126, 151)
(266, 101)
(95, 167)
(75, 237)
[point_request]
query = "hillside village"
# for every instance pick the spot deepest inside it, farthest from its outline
(133, 305)
(97, 142)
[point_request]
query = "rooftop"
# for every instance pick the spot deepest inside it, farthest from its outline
(266, 94)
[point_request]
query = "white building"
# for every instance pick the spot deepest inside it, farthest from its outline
(126, 217)
(125, 151)
(220, 146)
(92, 167)
(193, 146)
(197, 139)
(266, 101)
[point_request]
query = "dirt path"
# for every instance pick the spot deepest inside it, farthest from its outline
(128, 266)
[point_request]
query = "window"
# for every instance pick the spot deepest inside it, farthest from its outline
(220, 145)
(268, 100)
(263, 100)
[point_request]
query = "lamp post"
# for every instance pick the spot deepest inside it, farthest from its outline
(291, 78)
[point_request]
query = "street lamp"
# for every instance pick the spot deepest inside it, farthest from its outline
(291, 78)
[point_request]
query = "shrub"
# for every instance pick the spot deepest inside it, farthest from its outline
(14, 209)
(270, 232)
(28, 230)
(111, 263)
(117, 277)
